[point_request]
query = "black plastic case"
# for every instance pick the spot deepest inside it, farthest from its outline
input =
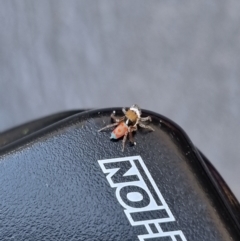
(67, 181)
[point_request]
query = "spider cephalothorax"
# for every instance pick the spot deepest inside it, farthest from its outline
(127, 124)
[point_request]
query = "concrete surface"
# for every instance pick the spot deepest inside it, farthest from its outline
(178, 58)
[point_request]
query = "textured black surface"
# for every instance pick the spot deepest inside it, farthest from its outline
(52, 187)
(26, 129)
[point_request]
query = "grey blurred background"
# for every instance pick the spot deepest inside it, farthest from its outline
(180, 58)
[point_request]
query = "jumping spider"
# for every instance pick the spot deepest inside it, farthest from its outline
(127, 124)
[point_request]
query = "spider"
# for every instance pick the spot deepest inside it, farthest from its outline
(127, 124)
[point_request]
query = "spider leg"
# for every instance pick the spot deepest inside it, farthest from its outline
(124, 111)
(131, 138)
(116, 119)
(146, 127)
(124, 140)
(132, 129)
(108, 126)
(146, 118)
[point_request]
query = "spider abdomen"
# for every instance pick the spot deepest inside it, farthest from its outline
(119, 131)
